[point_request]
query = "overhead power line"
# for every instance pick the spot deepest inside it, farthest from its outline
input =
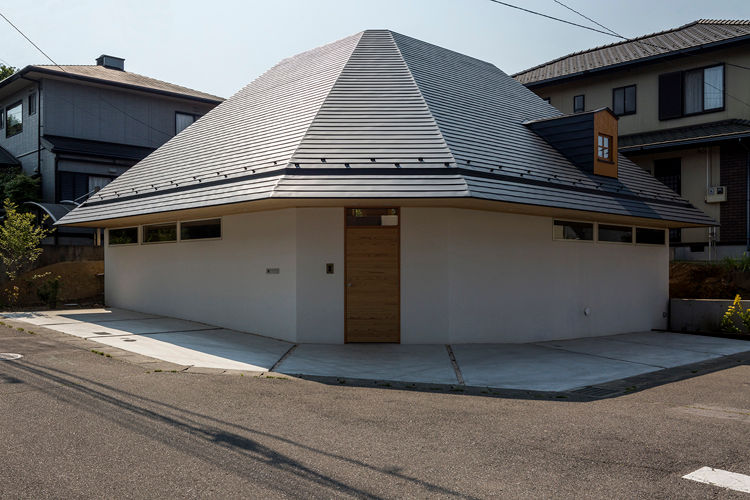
(612, 33)
(642, 42)
(31, 42)
(589, 19)
(551, 17)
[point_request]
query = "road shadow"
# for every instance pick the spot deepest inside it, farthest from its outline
(226, 445)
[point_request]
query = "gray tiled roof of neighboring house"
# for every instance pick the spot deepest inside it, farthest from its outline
(122, 78)
(376, 115)
(694, 36)
(681, 136)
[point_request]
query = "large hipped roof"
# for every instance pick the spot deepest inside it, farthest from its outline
(376, 115)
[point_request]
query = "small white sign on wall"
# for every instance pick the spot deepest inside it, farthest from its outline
(389, 220)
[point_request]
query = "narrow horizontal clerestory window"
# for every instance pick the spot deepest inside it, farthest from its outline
(570, 230)
(123, 236)
(160, 233)
(200, 229)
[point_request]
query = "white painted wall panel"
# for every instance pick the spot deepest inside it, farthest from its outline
(220, 282)
(467, 276)
(510, 282)
(320, 296)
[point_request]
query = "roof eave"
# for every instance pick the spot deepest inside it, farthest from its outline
(472, 202)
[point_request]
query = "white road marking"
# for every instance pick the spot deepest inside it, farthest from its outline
(722, 478)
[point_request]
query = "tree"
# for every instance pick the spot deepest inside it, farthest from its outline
(6, 71)
(21, 188)
(20, 240)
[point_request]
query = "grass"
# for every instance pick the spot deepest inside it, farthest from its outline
(21, 329)
(280, 378)
(100, 353)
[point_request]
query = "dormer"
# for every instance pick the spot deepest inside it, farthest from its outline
(588, 140)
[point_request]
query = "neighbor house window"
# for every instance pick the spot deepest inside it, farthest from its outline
(683, 93)
(615, 234)
(32, 104)
(123, 236)
(567, 230)
(579, 103)
(158, 233)
(14, 119)
(183, 121)
(649, 236)
(604, 148)
(200, 229)
(623, 100)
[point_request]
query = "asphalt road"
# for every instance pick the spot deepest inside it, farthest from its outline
(74, 424)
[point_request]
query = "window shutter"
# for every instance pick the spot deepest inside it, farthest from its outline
(670, 95)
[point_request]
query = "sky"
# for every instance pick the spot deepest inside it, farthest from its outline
(222, 45)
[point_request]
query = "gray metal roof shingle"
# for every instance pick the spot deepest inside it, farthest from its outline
(375, 115)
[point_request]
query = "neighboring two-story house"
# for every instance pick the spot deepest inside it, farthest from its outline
(683, 101)
(78, 127)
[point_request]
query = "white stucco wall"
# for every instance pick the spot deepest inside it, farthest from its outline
(320, 296)
(219, 282)
(466, 276)
(473, 276)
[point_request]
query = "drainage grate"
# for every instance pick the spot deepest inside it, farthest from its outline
(8, 356)
(595, 392)
(128, 340)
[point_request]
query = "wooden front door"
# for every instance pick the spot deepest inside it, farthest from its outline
(372, 276)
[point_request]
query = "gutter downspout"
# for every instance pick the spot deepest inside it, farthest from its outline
(38, 124)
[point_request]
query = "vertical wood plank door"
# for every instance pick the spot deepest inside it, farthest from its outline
(372, 284)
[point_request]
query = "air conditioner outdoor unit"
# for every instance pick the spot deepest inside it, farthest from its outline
(716, 194)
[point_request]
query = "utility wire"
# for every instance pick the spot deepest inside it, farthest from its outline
(613, 33)
(551, 17)
(589, 19)
(616, 34)
(32, 43)
(168, 134)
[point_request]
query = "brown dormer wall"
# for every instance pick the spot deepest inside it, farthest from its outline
(605, 123)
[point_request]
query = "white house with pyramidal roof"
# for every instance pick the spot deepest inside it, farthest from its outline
(383, 189)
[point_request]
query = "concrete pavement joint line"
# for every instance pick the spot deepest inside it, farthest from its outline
(94, 335)
(721, 478)
(282, 358)
(454, 363)
(97, 321)
(676, 348)
(604, 357)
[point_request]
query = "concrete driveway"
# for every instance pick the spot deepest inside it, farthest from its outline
(563, 365)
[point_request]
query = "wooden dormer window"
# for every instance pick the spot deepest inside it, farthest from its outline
(605, 143)
(604, 147)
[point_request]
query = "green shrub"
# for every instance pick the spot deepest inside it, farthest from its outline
(49, 289)
(736, 317)
(737, 263)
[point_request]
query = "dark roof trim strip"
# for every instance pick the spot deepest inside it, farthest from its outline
(614, 67)
(427, 171)
(45, 71)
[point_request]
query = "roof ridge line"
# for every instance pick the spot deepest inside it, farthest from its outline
(421, 95)
(328, 94)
